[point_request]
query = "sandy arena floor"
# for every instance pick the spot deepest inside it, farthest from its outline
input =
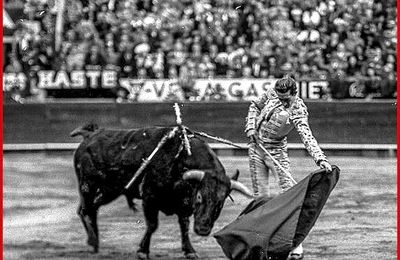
(40, 200)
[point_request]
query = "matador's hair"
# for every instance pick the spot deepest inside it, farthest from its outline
(285, 84)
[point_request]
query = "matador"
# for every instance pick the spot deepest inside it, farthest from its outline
(270, 119)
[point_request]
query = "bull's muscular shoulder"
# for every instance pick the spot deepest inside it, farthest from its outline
(104, 138)
(205, 156)
(100, 144)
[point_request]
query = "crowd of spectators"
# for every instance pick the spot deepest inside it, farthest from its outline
(187, 39)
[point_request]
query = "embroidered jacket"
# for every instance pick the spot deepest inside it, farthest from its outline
(272, 122)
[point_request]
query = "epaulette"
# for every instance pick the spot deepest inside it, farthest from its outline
(271, 94)
(299, 109)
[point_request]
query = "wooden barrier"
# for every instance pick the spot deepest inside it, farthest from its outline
(345, 122)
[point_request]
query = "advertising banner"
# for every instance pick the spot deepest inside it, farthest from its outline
(105, 83)
(153, 90)
(78, 79)
(249, 89)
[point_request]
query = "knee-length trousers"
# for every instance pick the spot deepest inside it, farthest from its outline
(261, 166)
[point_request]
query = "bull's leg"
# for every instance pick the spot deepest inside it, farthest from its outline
(187, 247)
(79, 212)
(93, 239)
(87, 210)
(88, 216)
(90, 203)
(151, 217)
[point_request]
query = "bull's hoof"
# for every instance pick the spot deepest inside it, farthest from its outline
(191, 256)
(95, 249)
(94, 244)
(142, 256)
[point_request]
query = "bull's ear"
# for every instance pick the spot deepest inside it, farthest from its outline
(238, 186)
(193, 175)
(236, 175)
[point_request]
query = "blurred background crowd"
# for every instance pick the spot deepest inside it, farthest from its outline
(189, 39)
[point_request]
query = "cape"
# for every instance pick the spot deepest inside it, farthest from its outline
(269, 228)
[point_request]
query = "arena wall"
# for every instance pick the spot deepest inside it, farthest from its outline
(341, 122)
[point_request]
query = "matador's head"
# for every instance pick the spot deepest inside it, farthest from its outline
(286, 90)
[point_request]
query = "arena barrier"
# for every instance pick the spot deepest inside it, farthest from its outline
(337, 122)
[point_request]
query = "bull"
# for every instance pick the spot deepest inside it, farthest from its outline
(173, 183)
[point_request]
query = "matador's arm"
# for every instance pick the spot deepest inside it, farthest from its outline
(254, 110)
(300, 120)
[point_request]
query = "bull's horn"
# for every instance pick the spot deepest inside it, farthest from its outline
(193, 175)
(238, 186)
(235, 175)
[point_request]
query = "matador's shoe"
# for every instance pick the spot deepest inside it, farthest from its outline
(297, 253)
(295, 256)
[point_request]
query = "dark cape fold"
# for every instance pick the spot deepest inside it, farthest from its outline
(272, 227)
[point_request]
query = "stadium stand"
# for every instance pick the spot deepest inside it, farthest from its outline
(320, 39)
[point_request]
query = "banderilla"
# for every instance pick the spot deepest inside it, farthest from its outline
(222, 140)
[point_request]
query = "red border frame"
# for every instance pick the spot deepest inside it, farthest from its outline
(398, 134)
(1, 135)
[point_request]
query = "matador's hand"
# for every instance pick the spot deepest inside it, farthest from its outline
(325, 165)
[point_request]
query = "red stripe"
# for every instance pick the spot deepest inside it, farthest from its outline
(398, 137)
(1, 135)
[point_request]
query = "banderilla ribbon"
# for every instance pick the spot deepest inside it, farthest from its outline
(179, 123)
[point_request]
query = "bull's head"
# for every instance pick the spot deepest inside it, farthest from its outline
(212, 191)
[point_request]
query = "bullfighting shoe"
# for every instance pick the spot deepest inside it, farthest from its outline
(296, 254)
(142, 256)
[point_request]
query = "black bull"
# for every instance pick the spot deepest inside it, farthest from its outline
(174, 182)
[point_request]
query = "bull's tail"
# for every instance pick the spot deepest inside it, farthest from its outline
(84, 130)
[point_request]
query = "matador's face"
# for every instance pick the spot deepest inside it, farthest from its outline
(285, 97)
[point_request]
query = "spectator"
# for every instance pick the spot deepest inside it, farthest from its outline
(173, 73)
(221, 63)
(272, 67)
(316, 73)
(127, 64)
(178, 55)
(142, 73)
(264, 73)
(14, 66)
(94, 59)
(186, 82)
(247, 72)
(372, 83)
(388, 84)
(112, 57)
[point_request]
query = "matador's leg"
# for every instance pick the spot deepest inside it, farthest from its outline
(281, 155)
(259, 172)
(285, 183)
